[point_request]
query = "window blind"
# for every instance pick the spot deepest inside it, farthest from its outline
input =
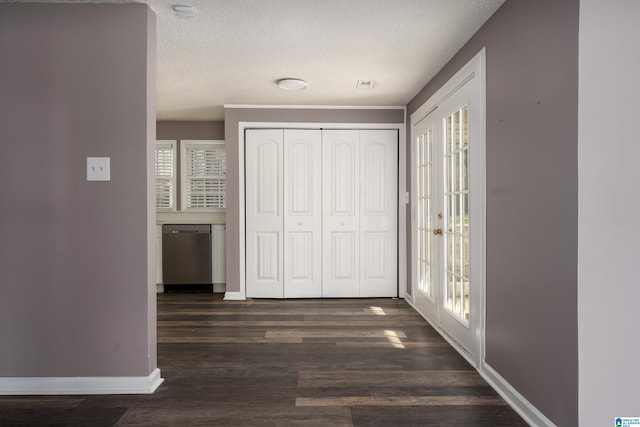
(165, 165)
(205, 176)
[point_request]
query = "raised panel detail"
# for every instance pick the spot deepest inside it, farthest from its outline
(267, 181)
(343, 179)
(301, 179)
(267, 248)
(301, 255)
(375, 196)
(375, 256)
(343, 252)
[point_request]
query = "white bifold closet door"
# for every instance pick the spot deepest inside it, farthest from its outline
(302, 213)
(360, 178)
(321, 213)
(283, 213)
(264, 213)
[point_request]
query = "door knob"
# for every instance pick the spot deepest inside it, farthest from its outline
(437, 231)
(300, 223)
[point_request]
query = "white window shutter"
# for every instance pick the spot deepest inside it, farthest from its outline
(205, 172)
(165, 168)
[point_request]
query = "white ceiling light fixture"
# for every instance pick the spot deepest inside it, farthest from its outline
(187, 11)
(292, 84)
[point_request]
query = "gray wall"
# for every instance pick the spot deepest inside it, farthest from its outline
(609, 235)
(175, 129)
(532, 207)
(76, 258)
(152, 315)
(235, 115)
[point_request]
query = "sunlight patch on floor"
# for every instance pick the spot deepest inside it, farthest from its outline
(377, 310)
(394, 339)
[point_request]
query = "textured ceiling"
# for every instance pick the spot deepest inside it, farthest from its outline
(233, 51)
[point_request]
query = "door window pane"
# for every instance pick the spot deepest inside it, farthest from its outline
(425, 219)
(456, 233)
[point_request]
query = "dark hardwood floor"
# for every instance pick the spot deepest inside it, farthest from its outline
(356, 362)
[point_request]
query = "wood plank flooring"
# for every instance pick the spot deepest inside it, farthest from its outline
(354, 362)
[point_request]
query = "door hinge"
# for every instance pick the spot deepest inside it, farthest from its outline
(406, 198)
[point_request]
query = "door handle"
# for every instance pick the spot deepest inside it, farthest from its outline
(438, 231)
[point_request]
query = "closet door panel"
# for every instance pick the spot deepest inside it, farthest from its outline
(321, 213)
(302, 213)
(264, 213)
(340, 221)
(378, 213)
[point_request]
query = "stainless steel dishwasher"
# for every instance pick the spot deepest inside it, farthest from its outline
(186, 254)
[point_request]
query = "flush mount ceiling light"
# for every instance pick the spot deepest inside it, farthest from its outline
(187, 11)
(292, 84)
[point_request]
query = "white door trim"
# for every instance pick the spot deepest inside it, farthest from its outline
(475, 68)
(402, 188)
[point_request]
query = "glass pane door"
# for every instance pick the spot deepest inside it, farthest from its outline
(425, 214)
(448, 209)
(442, 224)
(456, 194)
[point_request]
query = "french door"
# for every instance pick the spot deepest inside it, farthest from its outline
(448, 215)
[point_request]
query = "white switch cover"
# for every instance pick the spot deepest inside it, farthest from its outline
(98, 169)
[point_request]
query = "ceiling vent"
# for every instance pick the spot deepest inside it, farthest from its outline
(365, 84)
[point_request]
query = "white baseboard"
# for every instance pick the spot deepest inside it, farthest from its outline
(518, 403)
(80, 385)
(234, 296)
(218, 288)
(457, 347)
(522, 406)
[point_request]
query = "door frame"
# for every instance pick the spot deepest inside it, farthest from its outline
(475, 68)
(402, 187)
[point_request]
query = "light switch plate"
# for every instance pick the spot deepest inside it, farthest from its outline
(98, 168)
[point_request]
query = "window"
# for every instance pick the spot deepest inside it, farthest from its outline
(204, 167)
(165, 166)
